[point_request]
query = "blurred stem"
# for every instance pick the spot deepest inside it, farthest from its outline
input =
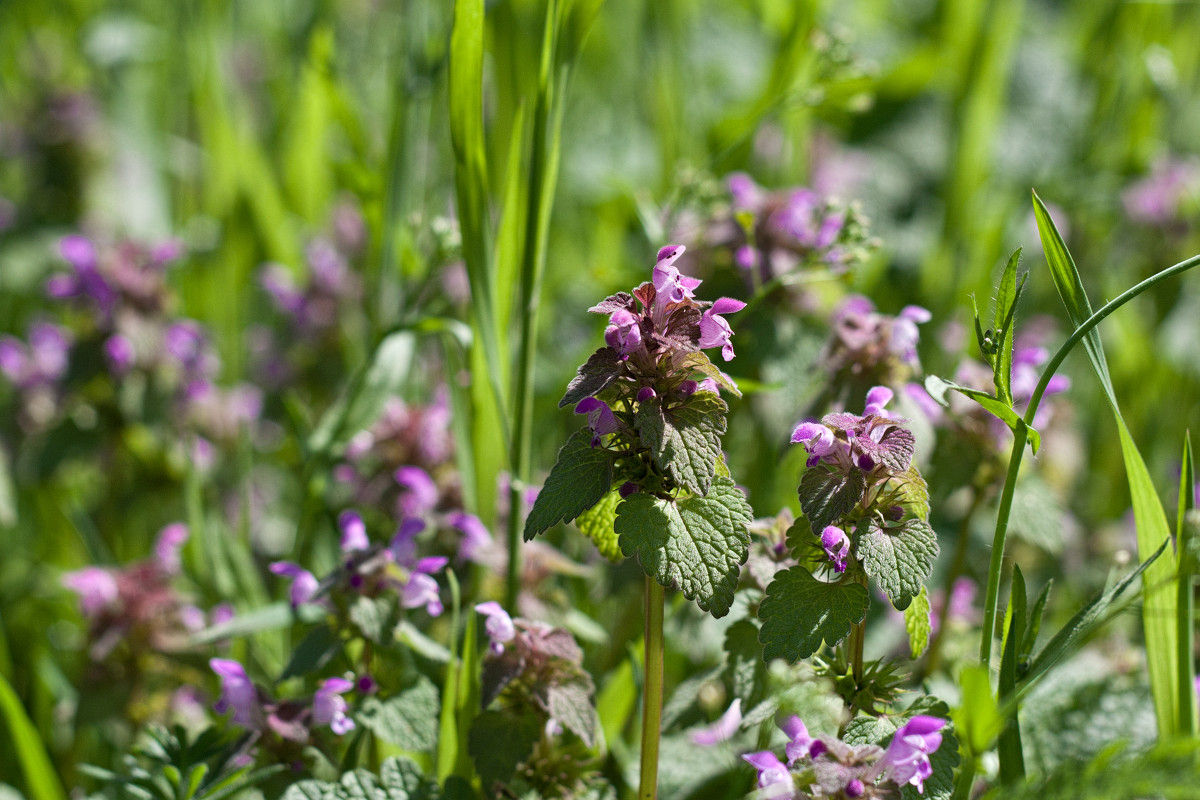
(966, 780)
(995, 566)
(857, 635)
(653, 693)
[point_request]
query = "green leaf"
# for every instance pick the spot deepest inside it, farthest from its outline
(880, 730)
(913, 493)
(916, 622)
(1186, 533)
(407, 719)
(41, 781)
(700, 362)
(597, 524)
(937, 388)
(978, 718)
(1032, 629)
(1006, 307)
(899, 558)
(696, 543)
(313, 652)
(593, 376)
(1084, 622)
(499, 742)
(826, 495)
(580, 478)
(398, 779)
(272, 617)
(571, 704)
(799, 612)
(363, 400)
(376, 617)
(1159, 590)
(744, 667)
(685, 440)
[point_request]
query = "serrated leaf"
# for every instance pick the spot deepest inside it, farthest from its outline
(597, 524)
(700, 362)
(407, 719)
(571, 704)
(880, 730)
(913, 493)
(827, 495)
(899, 558)
(696, 543)
(499, 742)
(601, 369)
(376, 617)
(685, 440)
(580, 478)
(800, 612)
(398, 779)
(937, 388)
(916, 622)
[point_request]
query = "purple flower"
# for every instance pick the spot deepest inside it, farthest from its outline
(906, 759)
(600, 418)
(354, 532)
(1157, 198)
(723, 728)
(475, 535)
(855, 789)
(119, 352)
(837, 546)
(904, 338)
(404, 543)
(670, 285)
(49, 348)
(304, 583)
(646, 393)
(624, 332)
(329, 707)
(877, 398)
(166, 550)
(715, 331)
(421, 493)
(772, 774)
(817, 439)
(422, 589)
(499, 625)
(78, 251)
(744, 191)
(237, 692)
(801, 745)
(96, 587)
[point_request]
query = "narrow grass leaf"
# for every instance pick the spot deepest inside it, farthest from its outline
(1012, 763)
(1186, 538)
(41, 781)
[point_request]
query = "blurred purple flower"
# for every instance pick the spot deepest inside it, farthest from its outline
(354, 532)
(166, 550)
(499, 626)
(304, 583)
(800, 744)
(329, 707)
(420, 493)
(422, 589)
(475, 535)
(906, 759)
(723, 728)
(96, 587)
(120, 354)
(237, 692)
(1160, 197)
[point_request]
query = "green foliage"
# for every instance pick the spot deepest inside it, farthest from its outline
(937, 388)
(916, 623)
(1160, 603)
(1012, 763)
(408, 719)
(879, 731)
(314, 651)
(594, 376)
(500, 741)
(800, 612)
(398, 779)
(597, 524)
(826, 495)
(685, 440)
(40, 779)
(581, 477)
(695, 543)
(978, 718)
(898, 557)
(1169, 770)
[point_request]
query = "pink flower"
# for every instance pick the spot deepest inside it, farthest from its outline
(723, 728)
(166, 550)
(304, 583)
(801, 745)
(329, 707)
(772, 774)
(354, 532)
(715, 331)
(420, 492)
(475, 535)
(670, 285)
(837, 546)
(600, 418)
(237, 692)
(906, 759)
(96, 587)
(499, 625)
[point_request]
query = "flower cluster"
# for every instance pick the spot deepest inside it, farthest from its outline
(36, 370)
(138, 604)
(370, 571)
(780, 232)
(830, 768)
(653, 355)
(290, 720)
(866, 347)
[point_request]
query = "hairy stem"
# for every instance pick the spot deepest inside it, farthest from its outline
(652, 698)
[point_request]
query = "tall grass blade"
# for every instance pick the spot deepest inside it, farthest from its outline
(1160, 579)
(41, 781)
(1187, 538)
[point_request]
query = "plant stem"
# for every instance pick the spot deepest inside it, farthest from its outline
(994, 567)
(653, 693)
(857, 637)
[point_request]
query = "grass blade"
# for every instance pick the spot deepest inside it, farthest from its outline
(41, 781)
(1160, 579)
(1012, 764)
(1185, 549)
